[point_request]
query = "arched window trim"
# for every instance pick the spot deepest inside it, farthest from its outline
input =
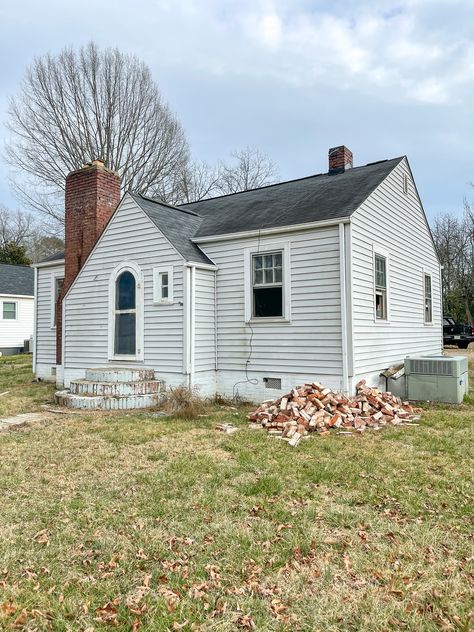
(135, 270)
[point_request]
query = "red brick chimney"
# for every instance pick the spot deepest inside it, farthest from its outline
(340, 159)
(92, 195)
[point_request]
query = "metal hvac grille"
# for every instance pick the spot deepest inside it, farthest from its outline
(272, 382)
(432, 367)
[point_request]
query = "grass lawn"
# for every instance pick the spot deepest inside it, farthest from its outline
(132, 522)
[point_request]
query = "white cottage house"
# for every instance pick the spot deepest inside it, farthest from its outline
(331, 277)
(16, 307)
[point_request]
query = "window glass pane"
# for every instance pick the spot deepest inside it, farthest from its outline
(9, 311)
(278, 276)
(125, 291)
(427, 285)
(381, 305)
(268, 261)
(258, 262)
(164, 291)
(125, 334)
(380, 272)
(267, 301)
(58, 283)
(258, 277)
(268, 275)
(277, 260)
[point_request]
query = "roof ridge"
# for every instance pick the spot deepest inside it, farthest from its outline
(161, 203)
(276, 184)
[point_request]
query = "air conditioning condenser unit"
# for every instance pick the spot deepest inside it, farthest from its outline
(437, 378)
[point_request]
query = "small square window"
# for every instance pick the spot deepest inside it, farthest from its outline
(163, 285)
(9, 311)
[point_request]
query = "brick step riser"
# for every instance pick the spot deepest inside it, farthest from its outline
(114, 389)
(131, 402)
(119, 374)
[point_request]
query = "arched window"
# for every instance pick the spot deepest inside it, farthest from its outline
(125, 335)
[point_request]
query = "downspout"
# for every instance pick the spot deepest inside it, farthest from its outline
(35, 323)
(343, 292)
(193, 323)
(215, 321)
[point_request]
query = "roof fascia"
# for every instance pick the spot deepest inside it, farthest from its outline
(48, 264)
(291, 228)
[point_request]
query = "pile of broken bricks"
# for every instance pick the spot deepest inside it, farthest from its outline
(314, 408)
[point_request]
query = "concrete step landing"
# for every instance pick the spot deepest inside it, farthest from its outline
(113, 388)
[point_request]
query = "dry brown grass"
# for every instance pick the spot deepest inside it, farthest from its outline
(169, 521)
(183, 402)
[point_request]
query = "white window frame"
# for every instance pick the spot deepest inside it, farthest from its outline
(134, 269)
(381, 252)
(284, 248)
(12, 320)
(427, 274)
(54, 276)
(157, 285)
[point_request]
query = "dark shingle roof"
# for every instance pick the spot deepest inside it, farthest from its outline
(17, 280)
(315, 198)
(177, 225)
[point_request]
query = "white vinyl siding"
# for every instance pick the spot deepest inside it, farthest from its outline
(392, 222)
(14, 331)
(45, 330)
(310, 343)
(205, 338)
(130, 236)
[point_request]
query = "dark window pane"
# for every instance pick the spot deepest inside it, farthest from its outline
(267, 301)
(125, 291)
(125, 334)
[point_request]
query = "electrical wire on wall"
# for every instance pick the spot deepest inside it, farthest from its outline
(248, 380)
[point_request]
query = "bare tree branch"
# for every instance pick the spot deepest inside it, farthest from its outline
(86, 104)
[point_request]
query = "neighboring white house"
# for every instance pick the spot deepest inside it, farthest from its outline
(332, 277)
(16, 307)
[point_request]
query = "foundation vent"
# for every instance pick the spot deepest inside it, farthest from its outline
(272, 382)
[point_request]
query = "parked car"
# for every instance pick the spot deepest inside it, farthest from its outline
(456, 333)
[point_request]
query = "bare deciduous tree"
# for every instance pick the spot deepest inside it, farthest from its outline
(454, 238)
(86, 104)
(251, 169)
(15, 227)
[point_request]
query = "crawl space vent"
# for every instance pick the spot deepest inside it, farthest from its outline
(272, 382)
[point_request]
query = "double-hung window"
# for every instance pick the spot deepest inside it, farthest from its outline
(380, 265)
(267, 285)
(9, 310)
(428, 299)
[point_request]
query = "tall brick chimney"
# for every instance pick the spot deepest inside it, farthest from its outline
(340, 159)
(92, 195)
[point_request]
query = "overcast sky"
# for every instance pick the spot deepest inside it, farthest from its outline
(383, 77)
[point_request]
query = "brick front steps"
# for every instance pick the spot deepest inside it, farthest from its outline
(113, 388)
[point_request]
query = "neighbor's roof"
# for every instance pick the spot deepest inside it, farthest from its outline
(57, 256)
(178, 225)
(315, 198)
(18, 280)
